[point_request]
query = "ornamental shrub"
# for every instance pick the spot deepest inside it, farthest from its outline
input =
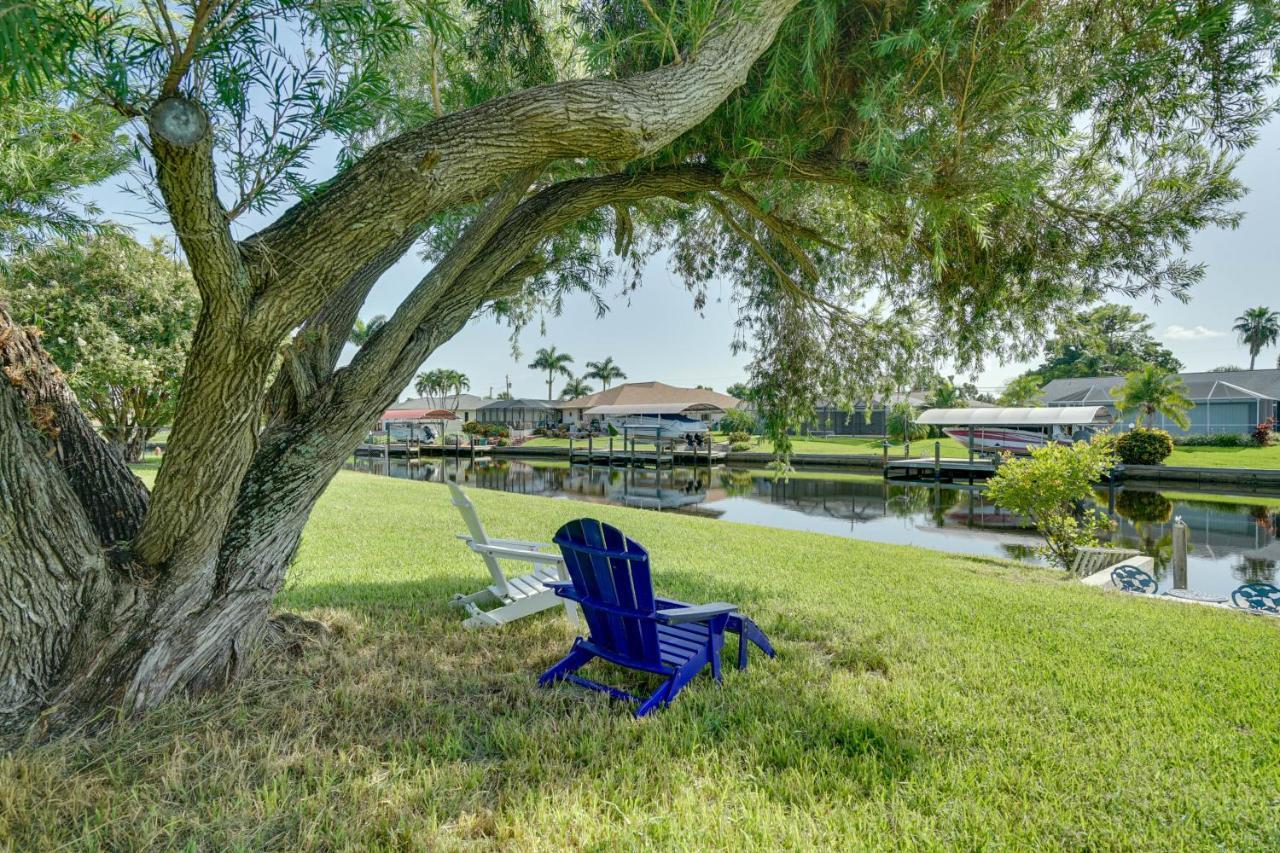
(1263, 433)
(739, 437)
(1143, 446)
(736, 420)
(740, 446)
(1052, 488)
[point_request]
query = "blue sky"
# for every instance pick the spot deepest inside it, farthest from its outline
(654, 333)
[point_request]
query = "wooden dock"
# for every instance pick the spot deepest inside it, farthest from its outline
(944, 470)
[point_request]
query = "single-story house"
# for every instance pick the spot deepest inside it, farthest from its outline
(832, 419)
(521, 414)
(423, 411)
(647, 398)
(1233, 401)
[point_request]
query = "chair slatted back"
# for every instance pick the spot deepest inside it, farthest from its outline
(476, 530)
(609, 569)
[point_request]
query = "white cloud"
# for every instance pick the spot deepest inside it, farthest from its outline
(1193, 333)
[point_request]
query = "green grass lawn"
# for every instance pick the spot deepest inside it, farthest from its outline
(919, 700)
(1226, 457)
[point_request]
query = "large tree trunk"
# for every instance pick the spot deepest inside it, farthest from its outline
(111, 599)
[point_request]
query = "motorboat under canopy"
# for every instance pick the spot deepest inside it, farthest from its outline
(1038, 416)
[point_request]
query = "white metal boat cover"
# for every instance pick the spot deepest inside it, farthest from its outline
(651, 409)
(1038, 416)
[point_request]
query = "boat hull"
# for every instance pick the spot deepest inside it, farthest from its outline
(1002, 439)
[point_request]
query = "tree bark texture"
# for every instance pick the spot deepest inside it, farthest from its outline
(113, 599)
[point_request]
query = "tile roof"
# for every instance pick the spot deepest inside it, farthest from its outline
(1228, 385)
(649, 393)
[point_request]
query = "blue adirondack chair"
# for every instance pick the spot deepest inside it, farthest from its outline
(1133, 579)
(1258, 598)
(630, 626)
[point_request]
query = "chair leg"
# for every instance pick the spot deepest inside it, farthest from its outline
(666, 694)
(717, 648)
(660, 697)
(566, 666)
(751, 631)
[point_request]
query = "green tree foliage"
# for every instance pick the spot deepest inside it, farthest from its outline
(738, 420)
(1258, 328)
(606, 372)
(902, 424)
(554, 363)
(739, 390)
(361, 331)
(884, 185)
(48, 151)
(439, 385)
(1109, 340)
(576, 387)
(946, 394)
(116, 316)
(1022, 391)
(1152, 391)
(1142, 446)
(1051, 487)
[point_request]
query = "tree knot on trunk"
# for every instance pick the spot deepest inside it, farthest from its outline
(179, 121)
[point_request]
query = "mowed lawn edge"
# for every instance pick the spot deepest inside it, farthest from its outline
(919, 698)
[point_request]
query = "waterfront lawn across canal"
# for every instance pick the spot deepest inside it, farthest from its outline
(1190, 457)
(918, 699)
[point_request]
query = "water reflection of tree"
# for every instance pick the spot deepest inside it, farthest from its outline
(1144, 506)
(737, 483)
(1025, 553)
(1250, 570)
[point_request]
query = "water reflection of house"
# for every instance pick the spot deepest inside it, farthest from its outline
(1229, 402)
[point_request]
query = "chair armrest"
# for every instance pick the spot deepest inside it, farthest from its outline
(696, 613)
(520, 543)
(517, 554)
(558, 585)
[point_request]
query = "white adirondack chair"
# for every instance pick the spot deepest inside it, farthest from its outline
(1091, 560)
(517, 596)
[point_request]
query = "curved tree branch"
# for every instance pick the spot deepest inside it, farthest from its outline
(461, 156)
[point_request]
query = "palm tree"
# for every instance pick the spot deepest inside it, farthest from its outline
(576, 387)
(458, 382)
(606, 371)
(554, 363)
(433, 382)
(1022, 391)
(1258, 327)
(362, 331)
(1151, 391)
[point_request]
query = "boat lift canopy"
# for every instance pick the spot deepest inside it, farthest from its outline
(1038, 416)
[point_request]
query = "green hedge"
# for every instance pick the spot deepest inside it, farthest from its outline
(1144, 446)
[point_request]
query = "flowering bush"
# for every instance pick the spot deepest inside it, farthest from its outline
(1051, 488)
(1262, 434)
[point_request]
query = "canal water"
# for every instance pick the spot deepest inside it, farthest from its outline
(1235, 539)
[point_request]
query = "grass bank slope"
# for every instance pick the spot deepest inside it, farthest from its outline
(918, 699)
